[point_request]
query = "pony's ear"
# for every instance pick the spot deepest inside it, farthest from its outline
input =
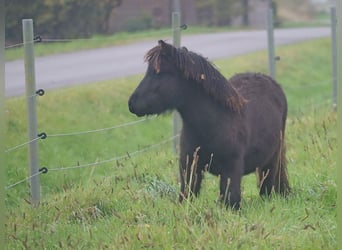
(185, 49)
(161, 43)
(166, 48)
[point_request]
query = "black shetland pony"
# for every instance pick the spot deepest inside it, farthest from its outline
(230, 127)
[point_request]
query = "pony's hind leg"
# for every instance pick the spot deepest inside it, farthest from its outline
(266, 182)
(273, 177)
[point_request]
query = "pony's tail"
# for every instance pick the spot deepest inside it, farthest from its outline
(281, 178)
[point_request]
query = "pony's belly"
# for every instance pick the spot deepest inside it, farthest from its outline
(257, 159)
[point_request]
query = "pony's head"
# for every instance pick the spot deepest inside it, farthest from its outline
(160, 89)
(171, 76)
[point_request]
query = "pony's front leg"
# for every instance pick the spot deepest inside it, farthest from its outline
(230, 186)
(190, 180)
(190, 176)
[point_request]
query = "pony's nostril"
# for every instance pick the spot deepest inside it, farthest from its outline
(131, 103)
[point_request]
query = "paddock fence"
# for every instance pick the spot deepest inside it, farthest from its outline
(34, 136)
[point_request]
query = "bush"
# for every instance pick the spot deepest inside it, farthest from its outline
(58, 19)
(142, 22)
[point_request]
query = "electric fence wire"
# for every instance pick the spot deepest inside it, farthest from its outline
(117, 158)
(308, 86)
(35, 40)
(44, 135)
(21, 145)
(102, 129)
(23, 180)
(41, 39)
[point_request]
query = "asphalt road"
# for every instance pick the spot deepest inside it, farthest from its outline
(82, 67)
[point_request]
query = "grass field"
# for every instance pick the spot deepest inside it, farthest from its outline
(132, 203)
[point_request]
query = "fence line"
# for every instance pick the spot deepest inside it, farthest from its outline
(14, 45)
(41, 92)
(323, 83)
(102, 129)
(125, 156)
(23, 180)
(44, 135)
(51, 40)
(63, 40)
(36, 39)
(121, 157)
(23, 144)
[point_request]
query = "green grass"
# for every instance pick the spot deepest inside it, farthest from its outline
(132, 203)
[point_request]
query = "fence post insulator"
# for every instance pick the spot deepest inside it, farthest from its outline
(42, 135)
(40, 92)
(38, 39)
(183, 26)
(44, 170)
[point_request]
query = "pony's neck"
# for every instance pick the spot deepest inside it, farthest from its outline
(221, 90)
(199, 109)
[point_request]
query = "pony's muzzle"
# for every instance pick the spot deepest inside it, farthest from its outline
(132, 106)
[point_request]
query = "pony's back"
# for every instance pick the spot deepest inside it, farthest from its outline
(257, 85)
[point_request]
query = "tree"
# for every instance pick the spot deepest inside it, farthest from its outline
(245, 11)
(15, 11)
(217, 12)
(105, 11)
(59, 18)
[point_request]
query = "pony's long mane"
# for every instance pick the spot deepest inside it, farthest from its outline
(193, 66)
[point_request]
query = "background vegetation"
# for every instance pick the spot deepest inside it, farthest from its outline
(218, 12)
(132, 203)
(86, 18)
(59, 19)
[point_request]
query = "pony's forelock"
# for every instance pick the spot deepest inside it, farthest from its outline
(153, 58)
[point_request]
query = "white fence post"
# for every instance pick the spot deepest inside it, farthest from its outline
(270, 40)
(334, 54)
(176, 34)
(31, 109)
(2, 125)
